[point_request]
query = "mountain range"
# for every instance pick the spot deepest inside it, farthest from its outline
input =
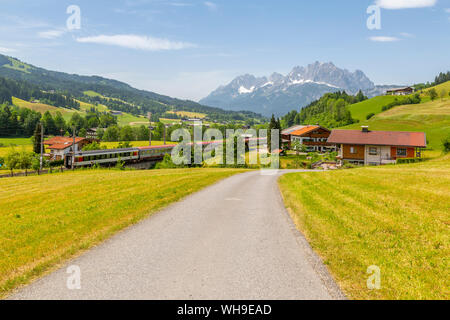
(279, 94)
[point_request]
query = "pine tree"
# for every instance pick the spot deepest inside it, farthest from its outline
(272, 125)
(37, 139)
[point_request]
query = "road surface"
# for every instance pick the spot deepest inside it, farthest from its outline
(232, 240)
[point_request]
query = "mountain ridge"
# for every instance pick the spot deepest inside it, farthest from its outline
(279, 94)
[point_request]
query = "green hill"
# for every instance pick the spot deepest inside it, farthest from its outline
(360, 110)
(431, 117)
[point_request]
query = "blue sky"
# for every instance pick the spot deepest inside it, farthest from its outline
(187, 48)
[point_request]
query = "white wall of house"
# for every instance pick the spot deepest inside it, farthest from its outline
(63, 152)
(376, 154)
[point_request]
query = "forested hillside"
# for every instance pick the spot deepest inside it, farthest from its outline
(329, 111)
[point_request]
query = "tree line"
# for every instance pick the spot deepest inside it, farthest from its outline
(329, 111)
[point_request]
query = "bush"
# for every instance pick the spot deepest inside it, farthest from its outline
(409, 160)
(167, 163)
(446, 144)
(120, 165)
(56, 163)
(409, 100)
(370, 115)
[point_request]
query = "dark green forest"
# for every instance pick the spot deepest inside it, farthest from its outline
(329, 111)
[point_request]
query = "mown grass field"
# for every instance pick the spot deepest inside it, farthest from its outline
(113, 145)
(189, 114)
(394, 217)
(42, 108)
(47, 219)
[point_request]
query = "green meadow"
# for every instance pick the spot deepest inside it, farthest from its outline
(393, 217)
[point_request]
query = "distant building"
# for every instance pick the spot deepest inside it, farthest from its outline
(377, 147)
(400, 91)
(60, 146)
(91, 133)
(115, 113)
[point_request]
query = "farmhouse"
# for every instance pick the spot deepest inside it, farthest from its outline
(377, 147)
(314, 137)
(60, 146)
(400, 91)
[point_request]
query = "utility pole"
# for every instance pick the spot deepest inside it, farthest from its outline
(150, 129)
(165, 134)
(41, 158)
(73, 148)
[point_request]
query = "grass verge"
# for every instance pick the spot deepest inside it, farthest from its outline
(47, 219)
(394, 217)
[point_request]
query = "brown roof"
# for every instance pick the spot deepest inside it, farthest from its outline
(61, 143)
(305, 130)
(383, 138)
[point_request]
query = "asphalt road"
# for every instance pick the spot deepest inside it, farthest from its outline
(232, 240)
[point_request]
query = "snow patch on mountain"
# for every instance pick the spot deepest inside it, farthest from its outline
(279, 94)
(243, 90)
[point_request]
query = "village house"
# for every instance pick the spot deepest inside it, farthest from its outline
(91, 133)
(60, 146)
(314, 137)
(377, 147)
(400, 91)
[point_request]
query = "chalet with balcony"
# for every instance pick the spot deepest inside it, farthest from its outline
(377, 147)
(314, 137)
(400, 91)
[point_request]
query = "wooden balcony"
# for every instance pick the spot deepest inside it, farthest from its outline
(318, 143)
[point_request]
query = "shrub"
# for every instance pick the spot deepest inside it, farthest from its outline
(446, 144)
(409, 160)
(56, 163)
(369, 116)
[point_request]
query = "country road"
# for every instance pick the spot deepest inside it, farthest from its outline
(232, 240)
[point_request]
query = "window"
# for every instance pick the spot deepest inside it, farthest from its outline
(401, 152)
(352, 150)
(373, 151)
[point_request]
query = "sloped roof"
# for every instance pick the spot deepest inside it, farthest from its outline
(305, 130)
(61, 143)
(292, 129)
(383, 138)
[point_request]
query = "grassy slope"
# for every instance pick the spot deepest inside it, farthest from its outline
(360, 110)
(38, 230)
(395, 217)
(189, 114)
(432, 117)
(42, 108)
(124, 119)
(18, 66)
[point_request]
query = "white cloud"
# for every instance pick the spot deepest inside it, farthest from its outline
(7, 50)
(384, 39)
(51, 34)
(210, 5)
(137, 42)
(405, 4)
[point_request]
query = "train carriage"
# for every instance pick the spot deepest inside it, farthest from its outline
(103, 157)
